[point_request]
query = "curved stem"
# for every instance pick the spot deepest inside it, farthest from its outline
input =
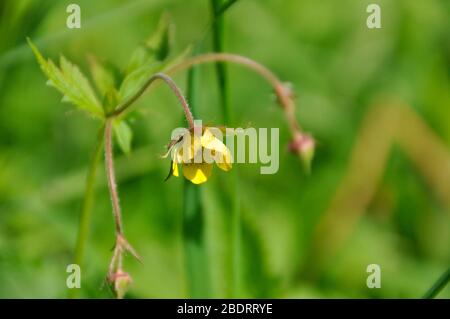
(227, 57)
(283, 94)
(158, 76)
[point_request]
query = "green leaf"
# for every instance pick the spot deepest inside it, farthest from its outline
(69, 80)
(110, 100)
(135, 80)
(156, 48)
(150, 58)
(106, 77)
(124, 135)
(161, 41)
(168, 63)
(139, 58)
(257, 282)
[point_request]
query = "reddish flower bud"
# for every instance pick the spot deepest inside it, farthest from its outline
(121, 281)
(304, 146)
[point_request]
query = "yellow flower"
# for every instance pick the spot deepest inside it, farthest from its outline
(196, 155)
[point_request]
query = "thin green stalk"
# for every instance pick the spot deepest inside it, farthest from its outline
(197, 271)
(438, 285)
(221, 10)
(195, 249)
(86, 208)
(218, 7)
(218, 46)
(236, 238)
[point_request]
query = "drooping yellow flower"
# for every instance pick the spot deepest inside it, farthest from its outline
(197, 155)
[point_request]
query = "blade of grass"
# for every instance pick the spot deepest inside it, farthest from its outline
(210, 25)
(224, 7)
(86, 208)
(197, 272)
(438, 285)
(236, 238)
(218, 46)
(218, 8)
(195, 250)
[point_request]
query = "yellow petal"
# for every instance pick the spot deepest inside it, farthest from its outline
(178, 154)
(209, 141)
(197, 173)
(174, 169)
(207, 138)
(225, 161)
(221, 151)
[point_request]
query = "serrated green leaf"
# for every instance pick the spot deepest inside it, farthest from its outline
(124, 135)
(70, 81)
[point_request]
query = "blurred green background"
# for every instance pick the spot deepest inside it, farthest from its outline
(383, 197)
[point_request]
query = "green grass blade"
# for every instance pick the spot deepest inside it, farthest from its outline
(438, 285)
(224, 7)
(196, 261)
(218, 46)
(86, 208)
(218, 8)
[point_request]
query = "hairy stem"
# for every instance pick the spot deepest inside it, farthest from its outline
(86, 208)
(115, 270)
(110, 174)
(109, 157)
(283, 93)
(158, 76)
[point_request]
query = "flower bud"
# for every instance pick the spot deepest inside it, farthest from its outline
(121, 281)
(304, 146)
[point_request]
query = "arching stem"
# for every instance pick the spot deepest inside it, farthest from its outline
(158, 76)
(283, 93)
